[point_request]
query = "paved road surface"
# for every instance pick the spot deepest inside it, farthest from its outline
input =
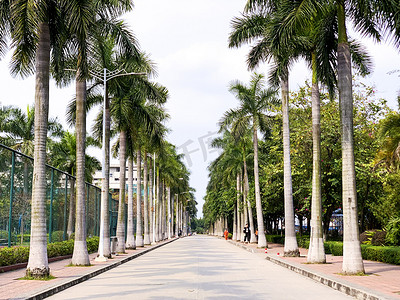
(200, 267)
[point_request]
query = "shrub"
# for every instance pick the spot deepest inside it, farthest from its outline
(393, 232)
(15, 255)
(27, 238)
(92, 244)
(230, 236)
(390, 255)
(378, 239)
(334, 248)
(276, 239)
(57, 236)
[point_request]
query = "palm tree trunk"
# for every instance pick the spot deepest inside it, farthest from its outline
(151, 196)
(157, 208)
(121, 202)
(291, 248)
(262, 241)
(70, 228)
(169, 212)
(160, 211)
(130, 237)
(316, 251)
(239, 223)
(80, 256)
(235, 225)
(146, 201)
(245, 194)
(139, 228)
(352, 259)
(105, 183)
(177, 216)
(253, 238)
(38, 265)
(172, 215)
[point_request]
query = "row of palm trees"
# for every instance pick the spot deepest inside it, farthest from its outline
(69, 40)
(281, 32)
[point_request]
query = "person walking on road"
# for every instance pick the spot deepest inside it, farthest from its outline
(226, 233)
(247, 233)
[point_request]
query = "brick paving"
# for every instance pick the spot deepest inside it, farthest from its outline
(12, 288)
(380, 277)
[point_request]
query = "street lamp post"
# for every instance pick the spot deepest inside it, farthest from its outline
(104, 77)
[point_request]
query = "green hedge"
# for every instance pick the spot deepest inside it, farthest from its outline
(386, 254)
(15, 255)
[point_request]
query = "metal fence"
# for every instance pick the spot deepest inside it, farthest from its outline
(15, 201)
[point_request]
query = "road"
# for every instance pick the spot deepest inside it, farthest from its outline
(200, 267)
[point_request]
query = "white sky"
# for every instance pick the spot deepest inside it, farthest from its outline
(188, 41)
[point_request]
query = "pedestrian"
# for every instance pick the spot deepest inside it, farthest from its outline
(257, 234)
(226, 233)
(247, 233)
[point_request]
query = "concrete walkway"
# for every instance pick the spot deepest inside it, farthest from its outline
(12, 288)
(204, 267)
(200, 267)
(382, 281)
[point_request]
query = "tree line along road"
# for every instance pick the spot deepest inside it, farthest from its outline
(200, 267)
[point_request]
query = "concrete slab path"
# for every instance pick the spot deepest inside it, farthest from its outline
(13, 288)
(199, 267)
(382, 281)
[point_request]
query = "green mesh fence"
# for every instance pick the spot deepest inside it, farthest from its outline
(15, 202)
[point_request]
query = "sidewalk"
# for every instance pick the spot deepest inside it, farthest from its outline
(382, 281)
(12, 288)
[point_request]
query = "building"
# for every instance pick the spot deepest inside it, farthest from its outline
(115, 178)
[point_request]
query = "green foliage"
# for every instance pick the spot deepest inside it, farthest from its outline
(4, 236)
(276, 239)
(60, 248)
(15, 255)
(92, 244)
(389, 255)
(27, 238)
(57, 236)
(393, 232)
(334, 248)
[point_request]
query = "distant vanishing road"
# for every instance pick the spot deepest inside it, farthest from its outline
(200, 267)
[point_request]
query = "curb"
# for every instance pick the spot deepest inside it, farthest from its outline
(350, 289)
(56, 289)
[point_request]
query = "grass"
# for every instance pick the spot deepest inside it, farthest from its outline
(71, 265)
(356, 274)
(46, 278)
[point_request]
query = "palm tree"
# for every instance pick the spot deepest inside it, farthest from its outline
(255, 101)
(131, 114)
(98, 24)
(385, 15)
(258, 26)
(33, 37)
(87, 20)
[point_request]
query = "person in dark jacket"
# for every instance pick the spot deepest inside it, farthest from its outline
(247, 233)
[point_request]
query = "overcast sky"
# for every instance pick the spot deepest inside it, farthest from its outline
(188, 41)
